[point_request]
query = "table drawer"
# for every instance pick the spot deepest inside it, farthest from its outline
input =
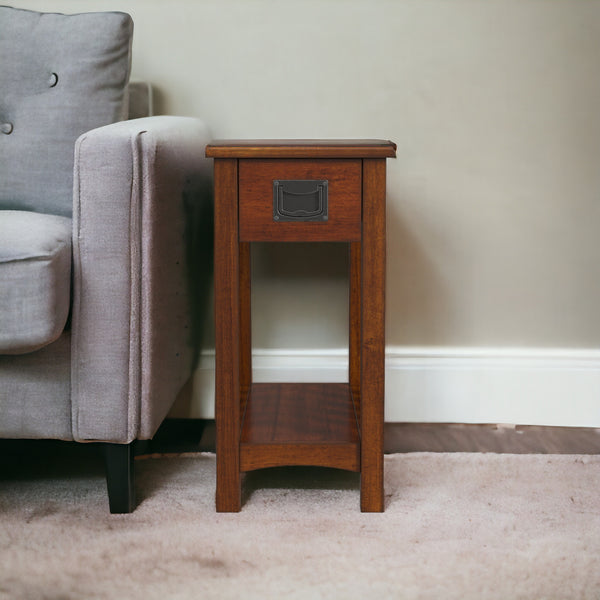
(290, 200)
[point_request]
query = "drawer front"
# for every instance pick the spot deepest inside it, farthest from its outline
(295, 200)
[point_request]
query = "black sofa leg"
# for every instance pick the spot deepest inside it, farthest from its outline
(120, 479)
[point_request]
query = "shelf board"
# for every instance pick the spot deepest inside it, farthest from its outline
(300, 424)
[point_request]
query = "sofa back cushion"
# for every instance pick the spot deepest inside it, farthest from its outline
(60, 75)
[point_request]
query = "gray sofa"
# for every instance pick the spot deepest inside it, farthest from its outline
(104, 240)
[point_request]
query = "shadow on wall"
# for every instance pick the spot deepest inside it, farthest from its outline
(159, 101)
(300, 295)
(299, 260)
(199, 209)
(419, 309)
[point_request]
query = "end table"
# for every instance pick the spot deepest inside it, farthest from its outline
(309, 191)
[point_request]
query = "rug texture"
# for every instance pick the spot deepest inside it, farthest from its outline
(468, 526)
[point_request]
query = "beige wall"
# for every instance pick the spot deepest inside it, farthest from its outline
(494, 199)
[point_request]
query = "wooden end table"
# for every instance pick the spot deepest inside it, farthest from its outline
(309, 191)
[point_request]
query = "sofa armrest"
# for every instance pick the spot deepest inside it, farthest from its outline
(142, 212)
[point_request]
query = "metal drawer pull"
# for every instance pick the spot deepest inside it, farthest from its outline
(300, 200)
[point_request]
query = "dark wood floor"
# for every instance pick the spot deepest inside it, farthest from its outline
(193, 435)
(520, 439)
(189, 435)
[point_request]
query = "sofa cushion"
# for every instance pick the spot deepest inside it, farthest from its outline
(35, 279)
(60, 75)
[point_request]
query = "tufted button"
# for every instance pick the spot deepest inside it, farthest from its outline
(6, 128)
(53, 80)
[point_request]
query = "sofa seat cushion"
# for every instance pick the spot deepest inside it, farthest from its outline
(35, 279)
(60, 76)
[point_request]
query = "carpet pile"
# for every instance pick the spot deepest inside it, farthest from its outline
(468, 526)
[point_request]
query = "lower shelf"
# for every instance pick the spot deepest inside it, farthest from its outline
(300, 424)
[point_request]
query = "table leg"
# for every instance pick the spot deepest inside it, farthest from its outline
(245, 327)
(354, 326)
(227, 336)
(372, 335)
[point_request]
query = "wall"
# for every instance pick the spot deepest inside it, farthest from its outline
(493, 201)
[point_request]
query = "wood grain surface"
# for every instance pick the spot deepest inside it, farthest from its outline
(300, 424)
(256, 179)
(301, 149)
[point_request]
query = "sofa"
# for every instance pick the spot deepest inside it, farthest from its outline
(105, 240)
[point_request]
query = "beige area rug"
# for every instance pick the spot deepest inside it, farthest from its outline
(456, 526)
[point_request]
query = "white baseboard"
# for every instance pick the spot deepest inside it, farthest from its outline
(553, 387)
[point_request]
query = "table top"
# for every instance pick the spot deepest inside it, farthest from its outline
(301, 149)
